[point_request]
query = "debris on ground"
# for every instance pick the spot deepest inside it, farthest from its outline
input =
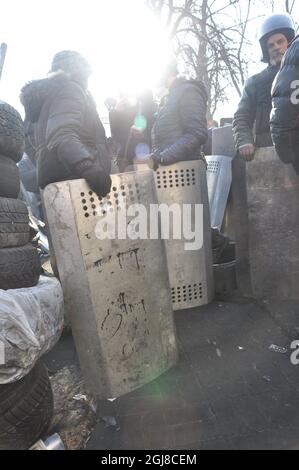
(74, 409)
(278, 349)
(109, 421)
(80, 398)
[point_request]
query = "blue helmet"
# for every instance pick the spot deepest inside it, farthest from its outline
(277, 23)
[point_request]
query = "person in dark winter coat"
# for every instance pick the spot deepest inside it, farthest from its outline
(180, 129)
(121, 119)
(285, 112)
(69, 137)
(131, 123)
(27, 166)
(255, 106)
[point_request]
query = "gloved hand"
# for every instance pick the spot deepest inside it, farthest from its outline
(155, 162)
(149, 160)
(163, 160)
(99, 181)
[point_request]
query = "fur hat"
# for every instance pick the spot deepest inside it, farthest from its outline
(72, 63)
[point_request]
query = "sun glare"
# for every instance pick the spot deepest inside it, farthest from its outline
(135, 51)
(123, 41)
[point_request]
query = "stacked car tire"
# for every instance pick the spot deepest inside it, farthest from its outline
(19, 261)
(25, 406)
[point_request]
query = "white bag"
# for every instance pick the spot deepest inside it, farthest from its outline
(31, 322)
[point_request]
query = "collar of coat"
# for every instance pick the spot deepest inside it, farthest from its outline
(34, 93)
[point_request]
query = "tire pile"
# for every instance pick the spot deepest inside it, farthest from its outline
(25, 406)
(19, 261)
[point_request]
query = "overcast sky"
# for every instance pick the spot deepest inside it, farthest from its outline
(124, 43)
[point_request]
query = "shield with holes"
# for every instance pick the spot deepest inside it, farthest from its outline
(116, 289)
(190, 272)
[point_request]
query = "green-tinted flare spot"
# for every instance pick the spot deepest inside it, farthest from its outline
(140, 123)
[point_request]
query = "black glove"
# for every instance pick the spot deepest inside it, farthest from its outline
(163, 160)
(158, 160)
(99, 181)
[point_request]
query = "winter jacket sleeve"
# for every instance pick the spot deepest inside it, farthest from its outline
(245, 116)
(285, 112)
(66, 115)
(193, 111)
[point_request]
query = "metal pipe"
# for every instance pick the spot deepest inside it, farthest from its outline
(52, 443)
(3, 50)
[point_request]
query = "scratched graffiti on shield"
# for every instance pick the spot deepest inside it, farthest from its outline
(131, 317)
(122, 257)
(116, 270)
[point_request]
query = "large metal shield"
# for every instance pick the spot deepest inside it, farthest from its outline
(190, 272)
(273, 222)
(223, 141)
(219, 178)
(117, 290)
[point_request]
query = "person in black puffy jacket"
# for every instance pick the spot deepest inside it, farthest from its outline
(131, 123)
(180, 129)
(69, 137)
(251, 123)
(285, 112)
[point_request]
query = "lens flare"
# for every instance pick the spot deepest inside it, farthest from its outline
(140, 123)
(142, 150)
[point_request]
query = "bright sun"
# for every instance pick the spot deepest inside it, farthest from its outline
(124, 43)
(132, 54)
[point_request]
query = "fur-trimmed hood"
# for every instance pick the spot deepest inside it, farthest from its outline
(34, 94)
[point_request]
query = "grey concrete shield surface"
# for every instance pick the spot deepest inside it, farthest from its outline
(223, 141)
(273, 226)
(190, 272)
(117, 291)
(240, 222)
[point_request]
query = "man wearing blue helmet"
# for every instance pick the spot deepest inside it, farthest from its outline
(252, 120)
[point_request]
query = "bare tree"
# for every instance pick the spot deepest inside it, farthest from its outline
(289, 4)
(209, 36)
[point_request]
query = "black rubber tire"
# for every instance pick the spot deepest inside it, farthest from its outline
(19, 267)
(9, 178)
(14, 223)
(12, 135)
(26, 410)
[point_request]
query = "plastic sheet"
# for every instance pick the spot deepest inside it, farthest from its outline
(31, 322)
